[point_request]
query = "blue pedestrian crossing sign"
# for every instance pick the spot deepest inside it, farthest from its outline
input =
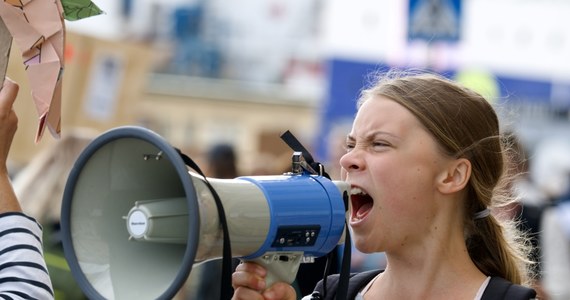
(434, 20)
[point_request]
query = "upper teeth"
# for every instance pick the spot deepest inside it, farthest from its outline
(357, 191)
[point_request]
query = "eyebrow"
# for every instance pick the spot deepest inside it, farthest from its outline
(372, 135)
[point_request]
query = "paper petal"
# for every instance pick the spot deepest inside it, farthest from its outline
(54, 114)
(18, 3)
(47, 96)
(25, 36)
(44, 78)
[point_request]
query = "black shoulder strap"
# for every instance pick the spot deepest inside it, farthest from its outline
(356, 283)
(500, 289)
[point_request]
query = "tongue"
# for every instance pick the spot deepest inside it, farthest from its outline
(363, 210)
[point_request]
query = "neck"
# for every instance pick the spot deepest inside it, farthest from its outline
(439, 267)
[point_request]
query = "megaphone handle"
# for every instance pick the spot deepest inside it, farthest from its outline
(280, 267)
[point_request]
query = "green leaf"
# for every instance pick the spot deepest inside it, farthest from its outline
(74, 10)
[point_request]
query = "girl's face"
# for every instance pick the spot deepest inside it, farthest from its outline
(392, 164)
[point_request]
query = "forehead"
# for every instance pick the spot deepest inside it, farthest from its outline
(382, 113)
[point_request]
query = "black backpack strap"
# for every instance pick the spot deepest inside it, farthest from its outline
(500, 289)
(356, 283)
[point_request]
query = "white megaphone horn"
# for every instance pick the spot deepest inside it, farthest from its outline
(135, 218)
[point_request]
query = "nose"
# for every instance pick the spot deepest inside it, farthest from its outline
(351, 161)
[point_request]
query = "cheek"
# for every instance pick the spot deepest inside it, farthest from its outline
(398, 176)
(404, 192)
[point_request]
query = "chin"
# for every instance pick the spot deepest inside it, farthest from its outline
(363, 246)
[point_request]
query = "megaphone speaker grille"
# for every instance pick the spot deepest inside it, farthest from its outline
(119, 168)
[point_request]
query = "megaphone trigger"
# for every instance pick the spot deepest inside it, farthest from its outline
(280, 266)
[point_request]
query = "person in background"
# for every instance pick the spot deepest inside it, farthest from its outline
(527, 211)
(23, 271)
(222, 162)
(552, 175)
(427, 166)
(555, 240)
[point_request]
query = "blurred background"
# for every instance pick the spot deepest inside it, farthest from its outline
(204, 73)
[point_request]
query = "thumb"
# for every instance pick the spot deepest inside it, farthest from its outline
(280, 291)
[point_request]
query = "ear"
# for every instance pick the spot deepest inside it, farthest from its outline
(455, 176)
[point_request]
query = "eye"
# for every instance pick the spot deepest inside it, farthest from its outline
(380, 144)
(348, 146)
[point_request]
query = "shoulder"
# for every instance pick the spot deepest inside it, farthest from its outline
(12, 222)
(16, 217)
(500, 288)
(18, 231)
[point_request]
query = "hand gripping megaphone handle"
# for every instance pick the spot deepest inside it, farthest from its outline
(280, 266)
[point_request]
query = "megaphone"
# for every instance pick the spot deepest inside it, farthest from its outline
(135, 218)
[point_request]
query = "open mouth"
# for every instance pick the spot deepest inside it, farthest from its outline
(361, 203)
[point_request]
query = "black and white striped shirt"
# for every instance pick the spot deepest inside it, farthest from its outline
(23, 271)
